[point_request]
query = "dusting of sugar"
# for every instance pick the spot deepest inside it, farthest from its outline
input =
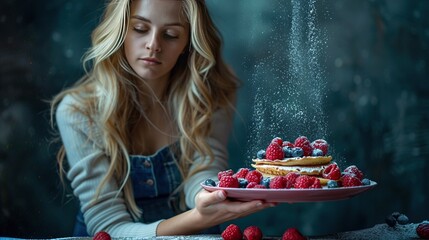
(288, 84)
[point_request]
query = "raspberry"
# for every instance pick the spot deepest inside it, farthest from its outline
(251, 185)
(322, 145)
(292, 234)
(332, 172)
(102, 236)
(228, 172)
(259, 186)
(350, 180)
(303, 143)
(305, 181)
(277, 140)
(302, 181)
(252, 233)
(287, 144)
(423, 230)
(290, 179)
(354, 170)
(254, 176)
(316, 183)
(229, 182)
(278, 182)
(232, 232)
(242, 172)
(274, 151)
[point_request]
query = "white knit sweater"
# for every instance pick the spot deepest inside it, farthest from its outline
(89, 163)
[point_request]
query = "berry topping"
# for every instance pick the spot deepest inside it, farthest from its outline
(242, 183)
(261, 154)
(266, 182)
(287, 151)
(316, 183)
(210, 182)
(287, 144)
(274, 151)
(322, 145)
(251, 185)
(297, 152)
(350, 180)
(241, 173)
(366, 181)
(317, 152)
(354, 170)
(221, 174)
(332, 172)
(254, 176)
(102, 236)
(290, 179)
(229, 182)
(232, 232)
(252, 233)
(305, 181)
(278, 182)
(304, 144)
(332, 184)
(277, 140)
(423, 230)
(292, 234)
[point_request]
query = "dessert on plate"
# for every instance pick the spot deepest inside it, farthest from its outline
(297, 164)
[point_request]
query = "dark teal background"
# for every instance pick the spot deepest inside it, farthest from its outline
(375, 66)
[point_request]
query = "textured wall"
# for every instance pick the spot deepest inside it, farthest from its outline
(372, 66)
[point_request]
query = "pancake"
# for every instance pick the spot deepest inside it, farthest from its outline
(297, 161)
(282, 170)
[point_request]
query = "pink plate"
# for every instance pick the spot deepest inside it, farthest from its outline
(292, 195)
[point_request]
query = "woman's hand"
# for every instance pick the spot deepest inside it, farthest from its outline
(215, 208)
(212, 208)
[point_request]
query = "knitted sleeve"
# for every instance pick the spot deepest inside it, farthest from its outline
(87, 166)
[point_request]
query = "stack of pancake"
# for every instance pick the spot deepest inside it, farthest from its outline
(307, 165)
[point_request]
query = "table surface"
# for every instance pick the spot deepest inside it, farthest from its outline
(379, 231)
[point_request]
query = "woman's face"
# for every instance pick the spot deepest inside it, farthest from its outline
(157, 36)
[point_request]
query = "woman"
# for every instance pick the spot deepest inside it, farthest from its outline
(149, 122)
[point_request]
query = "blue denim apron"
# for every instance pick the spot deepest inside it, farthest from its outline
(154, 178)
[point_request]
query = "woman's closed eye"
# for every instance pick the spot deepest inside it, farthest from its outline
(170, 36)
(140, 29)
(166, 35)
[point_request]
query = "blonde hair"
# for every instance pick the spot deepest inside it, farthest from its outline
(202, 85)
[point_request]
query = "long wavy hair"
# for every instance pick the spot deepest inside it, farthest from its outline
(201, 84)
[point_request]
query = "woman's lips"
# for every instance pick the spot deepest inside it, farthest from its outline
(150, 61)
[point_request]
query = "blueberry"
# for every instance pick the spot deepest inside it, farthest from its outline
(210, 182)
(287, 151)
(391, 221)
(366, 181)
(297, 152)
(242, 183)
(266, 182)
(317, 152)
(396, 214)
(261, 154)
(402, 219)
(332, 184)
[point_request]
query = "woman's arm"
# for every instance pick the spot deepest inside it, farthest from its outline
(88, 165)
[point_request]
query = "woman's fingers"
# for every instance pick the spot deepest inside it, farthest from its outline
(206, 198)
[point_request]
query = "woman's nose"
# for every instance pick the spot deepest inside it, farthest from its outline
(153, 43)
